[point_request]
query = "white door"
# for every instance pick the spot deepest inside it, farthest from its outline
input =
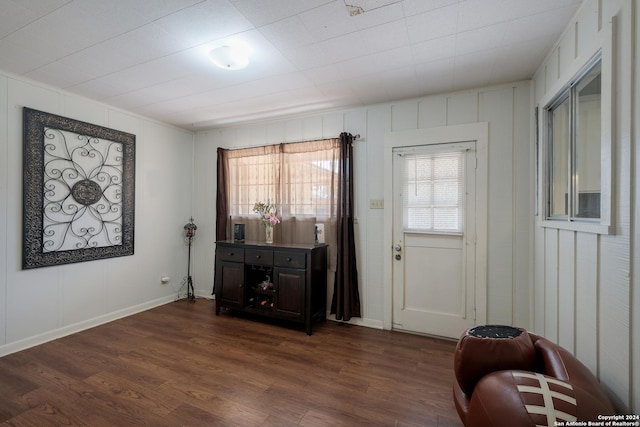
(434, 238)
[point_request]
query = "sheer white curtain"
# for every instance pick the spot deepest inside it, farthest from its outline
(300, 178)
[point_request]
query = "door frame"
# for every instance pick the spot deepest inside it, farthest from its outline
(478, 132)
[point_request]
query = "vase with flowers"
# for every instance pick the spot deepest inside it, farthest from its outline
(269, 217)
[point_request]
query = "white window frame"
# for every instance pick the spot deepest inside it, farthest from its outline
(603, 225)
(457, 153)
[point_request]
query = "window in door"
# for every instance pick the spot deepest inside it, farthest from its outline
(434, 189)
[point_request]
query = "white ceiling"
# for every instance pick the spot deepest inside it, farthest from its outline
(150, 56)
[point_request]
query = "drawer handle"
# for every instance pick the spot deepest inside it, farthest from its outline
(288, 259)
(230, 253)
(258, 256)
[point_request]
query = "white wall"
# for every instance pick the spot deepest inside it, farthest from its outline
(44, 303)
(586, 295)
(506, 108)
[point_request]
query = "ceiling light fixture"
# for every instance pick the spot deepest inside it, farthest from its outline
(230, 57)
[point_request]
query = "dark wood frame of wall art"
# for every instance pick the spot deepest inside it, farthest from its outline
(33, 254)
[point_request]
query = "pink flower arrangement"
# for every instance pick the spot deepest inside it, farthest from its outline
(268, 213)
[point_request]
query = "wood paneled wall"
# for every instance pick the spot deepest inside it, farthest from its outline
(507, 109)
(583, 286)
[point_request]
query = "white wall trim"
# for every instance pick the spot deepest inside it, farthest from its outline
(35, 340)
(357, 321)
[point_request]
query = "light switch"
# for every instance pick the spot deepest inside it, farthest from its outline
(376, 204)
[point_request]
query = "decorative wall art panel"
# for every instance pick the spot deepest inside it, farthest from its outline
(79, 184)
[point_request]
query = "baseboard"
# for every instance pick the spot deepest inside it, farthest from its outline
(204, 294)
(358, 321)
(81, 326)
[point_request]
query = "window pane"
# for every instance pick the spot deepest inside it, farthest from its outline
(308, 180)
(575, 147)
(253, 179)
(559, 158)
(587, 151)
(433, 192)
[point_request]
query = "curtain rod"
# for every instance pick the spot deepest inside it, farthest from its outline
(356, 136)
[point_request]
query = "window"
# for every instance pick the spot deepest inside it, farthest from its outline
(574, 155)
(300, 178)
(434, 188)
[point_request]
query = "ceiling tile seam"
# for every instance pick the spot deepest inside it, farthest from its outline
(211, 91)
(37, 19)
(109, 39)
(284, 18)
(455, 47)
(507, 21)
(347, 5)
(355, 56)
(355, 31)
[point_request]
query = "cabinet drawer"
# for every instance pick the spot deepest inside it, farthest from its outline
(289, 259)
(230, 254)
(258, 257)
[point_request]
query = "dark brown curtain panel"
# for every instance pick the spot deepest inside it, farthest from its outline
(346, 297)
(222, 198)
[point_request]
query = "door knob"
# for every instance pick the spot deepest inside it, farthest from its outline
(398, 257)
(397, 247)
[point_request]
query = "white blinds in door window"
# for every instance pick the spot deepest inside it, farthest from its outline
(433, 192)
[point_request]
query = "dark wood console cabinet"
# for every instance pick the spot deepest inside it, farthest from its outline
(287, 282)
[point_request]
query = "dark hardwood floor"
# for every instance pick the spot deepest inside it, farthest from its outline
(180, 365)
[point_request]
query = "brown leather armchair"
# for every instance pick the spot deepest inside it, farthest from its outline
(506, 376)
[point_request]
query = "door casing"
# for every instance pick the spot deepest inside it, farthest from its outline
(478, 132)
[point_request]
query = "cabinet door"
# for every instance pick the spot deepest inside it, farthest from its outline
(230, 284)
(290, 292)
